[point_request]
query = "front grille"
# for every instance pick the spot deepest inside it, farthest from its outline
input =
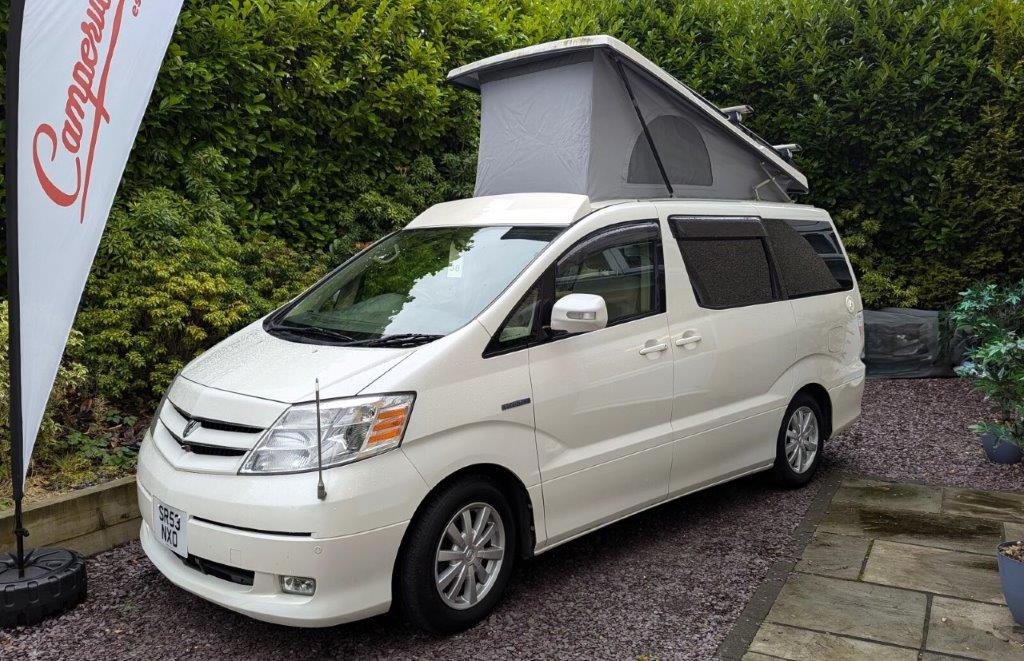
(217, 570)
(210, 450)
(219, 425)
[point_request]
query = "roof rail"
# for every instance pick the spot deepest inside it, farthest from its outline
(786, 151)
(737, 113)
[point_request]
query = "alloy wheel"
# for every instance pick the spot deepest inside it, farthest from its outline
(801, 439)
(469, 555)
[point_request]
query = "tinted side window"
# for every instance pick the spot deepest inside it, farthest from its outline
(728, 273)
(808, 257)
(727, 260)
(621, 265)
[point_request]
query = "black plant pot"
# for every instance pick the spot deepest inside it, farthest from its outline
(1001, 450)
(1011, 573)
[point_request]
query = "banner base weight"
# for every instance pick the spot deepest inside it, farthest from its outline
(53, 582)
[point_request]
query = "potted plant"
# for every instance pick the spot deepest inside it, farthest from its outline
(1011, 573)
(993, 317)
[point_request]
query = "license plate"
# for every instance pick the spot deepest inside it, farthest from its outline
(169, 526)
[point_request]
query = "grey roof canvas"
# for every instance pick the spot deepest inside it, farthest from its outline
(565, 116)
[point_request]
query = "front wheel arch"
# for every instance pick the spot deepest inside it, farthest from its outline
(416, 585)
(509, 484)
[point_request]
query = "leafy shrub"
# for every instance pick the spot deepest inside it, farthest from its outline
(284, 134)
(994, 318)
(335, 122)
(171, 279)
(71, 376)
(326, 111)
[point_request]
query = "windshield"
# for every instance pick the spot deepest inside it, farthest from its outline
(414, 286)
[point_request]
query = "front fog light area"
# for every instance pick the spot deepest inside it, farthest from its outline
(298, 585)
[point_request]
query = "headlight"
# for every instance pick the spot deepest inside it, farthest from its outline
(353, 428)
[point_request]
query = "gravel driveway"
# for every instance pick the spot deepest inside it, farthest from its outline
(667, 583)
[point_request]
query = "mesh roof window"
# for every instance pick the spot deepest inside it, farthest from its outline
(682, 151)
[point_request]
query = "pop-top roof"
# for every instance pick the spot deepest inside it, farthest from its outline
(556, 209)
(592, 116)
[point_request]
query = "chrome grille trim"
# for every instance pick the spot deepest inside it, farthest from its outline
(218, 425)
(203, 448)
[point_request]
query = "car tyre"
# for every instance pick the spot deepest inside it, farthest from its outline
(427, 592)
(800, 442)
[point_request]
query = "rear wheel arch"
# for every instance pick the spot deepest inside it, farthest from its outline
(793, 468)
(821, 396)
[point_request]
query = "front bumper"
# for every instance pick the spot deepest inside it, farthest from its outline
(353, 572)
(274, 525)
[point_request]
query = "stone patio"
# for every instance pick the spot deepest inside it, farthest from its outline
(899, 571)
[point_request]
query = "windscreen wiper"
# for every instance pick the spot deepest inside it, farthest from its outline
(399, 340)
(307, 331)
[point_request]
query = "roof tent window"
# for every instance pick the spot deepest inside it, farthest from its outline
(682, 151)
(808, 257)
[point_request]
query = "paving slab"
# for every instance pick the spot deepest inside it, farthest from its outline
(890, 495)
(851, 608)
(974, 630)
(998, 505)
(1013, 531)
(840, 556)
(958, 533)
(803, 645)
(940, 571)
(754, 656)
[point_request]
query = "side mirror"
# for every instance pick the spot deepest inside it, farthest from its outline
(579, 313)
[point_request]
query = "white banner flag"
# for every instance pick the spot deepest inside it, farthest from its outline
(87, 69)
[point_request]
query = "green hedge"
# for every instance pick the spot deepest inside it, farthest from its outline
(302, 128)
(910, 114)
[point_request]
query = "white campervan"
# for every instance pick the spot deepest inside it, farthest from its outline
(629, 310)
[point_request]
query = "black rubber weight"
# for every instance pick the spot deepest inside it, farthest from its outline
(54, 582)
(416, 591)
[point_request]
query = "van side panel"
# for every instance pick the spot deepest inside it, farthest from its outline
(731, 386)
(827, 338)
(829, 333)
(468, 411)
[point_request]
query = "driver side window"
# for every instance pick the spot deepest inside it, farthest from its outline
(625, 275)
(623, 264)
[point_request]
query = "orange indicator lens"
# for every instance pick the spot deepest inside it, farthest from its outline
(389, 426)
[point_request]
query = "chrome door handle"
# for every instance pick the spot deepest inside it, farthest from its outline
(654, 348)
(689, 340)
